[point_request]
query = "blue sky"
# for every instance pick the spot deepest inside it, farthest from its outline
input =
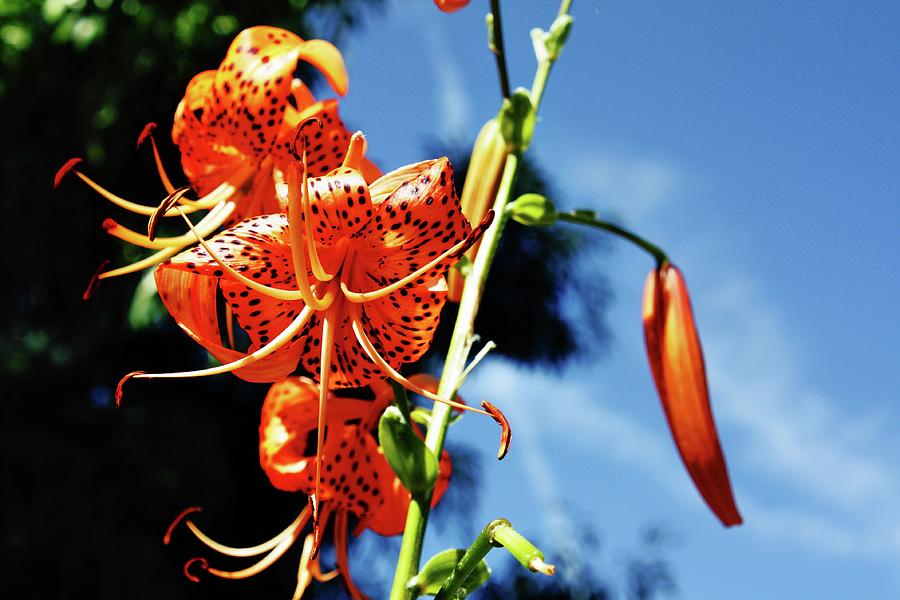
(759, 143)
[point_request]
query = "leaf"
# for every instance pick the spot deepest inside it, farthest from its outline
(438, 568)
(413, 463)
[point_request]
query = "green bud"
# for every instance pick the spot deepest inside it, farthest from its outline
(516, 119)
(548, 45)
(533, 210)
(413, 463)
(438, 568)
(559, 33)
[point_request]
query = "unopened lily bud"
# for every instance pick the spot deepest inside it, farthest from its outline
(533, 210)
(676, 361)
(480, 188)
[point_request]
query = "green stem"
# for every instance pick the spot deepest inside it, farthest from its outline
(584, 218)
(497, 533)
(497, 47)
(461, 343)
(401, 401)
(477, 551)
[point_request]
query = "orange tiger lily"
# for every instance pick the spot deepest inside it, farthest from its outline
(357, 479)
(233, 129)
(349, 284)
(676, 361)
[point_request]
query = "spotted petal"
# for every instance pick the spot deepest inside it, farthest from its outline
(253, 86)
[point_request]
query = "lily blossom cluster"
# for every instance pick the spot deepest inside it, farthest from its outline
(234, 129)
(357, 480)
(676, 362)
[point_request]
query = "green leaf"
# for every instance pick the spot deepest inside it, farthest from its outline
(438, 569)
(516, 119)
(414, 464)
(533, 210)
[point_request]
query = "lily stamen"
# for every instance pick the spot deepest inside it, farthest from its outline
(305, 203)
(328, 323)
(140, 209)
(359, 297)
(147, 133)
(375, 357)
(295, 326)
(298, 244)
(266, 546)
(276, 293)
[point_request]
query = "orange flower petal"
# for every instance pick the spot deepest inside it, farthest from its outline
(676, 362)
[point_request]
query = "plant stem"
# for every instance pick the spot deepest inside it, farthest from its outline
(477, 551)
(497, 533)
(460, 342)
(585, 218)
(497, 48)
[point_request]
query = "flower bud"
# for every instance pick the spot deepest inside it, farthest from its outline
(676, 361)
(480, 188)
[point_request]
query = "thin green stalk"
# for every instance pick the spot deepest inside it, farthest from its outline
(592, 221)
(498, 533)
(496, 39)
(460, 344)
(478, 550)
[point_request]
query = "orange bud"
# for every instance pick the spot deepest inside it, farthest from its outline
(480, 189)
(451, 5)
(676, 361)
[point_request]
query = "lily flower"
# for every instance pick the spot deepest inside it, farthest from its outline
(676, 361)
(357, 479)
(233, 128)
(348, 285)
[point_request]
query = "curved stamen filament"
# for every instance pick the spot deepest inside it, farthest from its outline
(359, 297)
(328, 323)
(375, 357)
(304, 574)
(296, 228)
(276, 293)
(276, 553)
(340, 551)
(210, 222)
(153, 259)
(297, 524)
(148, 133)
(306, 203)
(296, 325)
(140, 209)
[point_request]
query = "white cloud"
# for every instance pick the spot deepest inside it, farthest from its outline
(637, 186)
(454, 106)
(821, 463)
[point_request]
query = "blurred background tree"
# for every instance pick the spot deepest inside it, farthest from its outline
(88, 489)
